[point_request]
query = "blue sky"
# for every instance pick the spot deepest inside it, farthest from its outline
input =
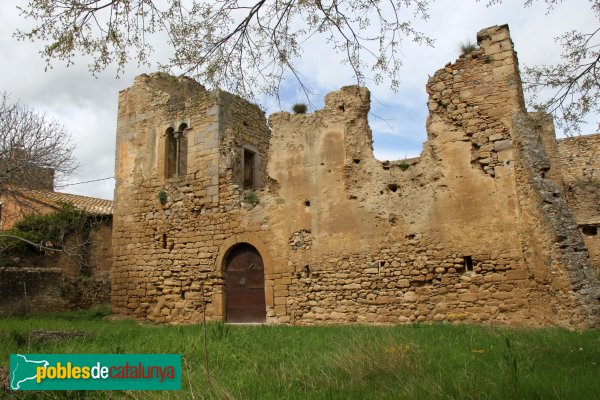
(88, 105)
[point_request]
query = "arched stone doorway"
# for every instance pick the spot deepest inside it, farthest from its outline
(244, 285)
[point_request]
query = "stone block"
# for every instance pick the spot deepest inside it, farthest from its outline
(467, 297)
(516, 274)
(212, 190)
(502, 145)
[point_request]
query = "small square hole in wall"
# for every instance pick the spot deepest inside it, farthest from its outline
(468, 262)
(589, 230)
(307, 271)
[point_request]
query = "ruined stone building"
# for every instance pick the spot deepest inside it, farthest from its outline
(294, 221)
(32, 280)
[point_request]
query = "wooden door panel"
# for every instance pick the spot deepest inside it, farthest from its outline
(245, 285)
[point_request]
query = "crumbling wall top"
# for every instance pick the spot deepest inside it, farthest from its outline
(353, 97)
(167, 82)
(495, 33)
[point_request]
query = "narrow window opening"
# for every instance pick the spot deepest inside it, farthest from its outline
(249, 158)
(171, 149)
(164, 241)
(176, 151)
(307, 272)
(181, 151)
(468, 262)
(589, 230)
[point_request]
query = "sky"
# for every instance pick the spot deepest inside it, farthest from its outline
(87, 105)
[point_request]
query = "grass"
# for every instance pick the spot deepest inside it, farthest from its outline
(467, 47)
(251, 198)
(420, 361)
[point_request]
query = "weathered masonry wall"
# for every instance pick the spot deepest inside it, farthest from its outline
(580, 163)
(475, 229)
(164, 251)
(36, 283)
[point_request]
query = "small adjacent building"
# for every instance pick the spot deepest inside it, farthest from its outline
(76, 275)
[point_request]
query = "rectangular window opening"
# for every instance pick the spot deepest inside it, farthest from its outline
(468, 262)
(249, 173)
(589, 230)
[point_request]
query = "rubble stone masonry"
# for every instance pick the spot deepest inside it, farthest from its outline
(478, 228)
(580, 163)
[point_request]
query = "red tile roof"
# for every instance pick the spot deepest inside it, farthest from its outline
(91, 205)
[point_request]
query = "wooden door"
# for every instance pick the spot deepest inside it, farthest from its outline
(245, 285)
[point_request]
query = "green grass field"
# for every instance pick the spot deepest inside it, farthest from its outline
(420, 361)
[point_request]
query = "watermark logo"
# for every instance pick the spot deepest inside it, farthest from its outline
(95, 372)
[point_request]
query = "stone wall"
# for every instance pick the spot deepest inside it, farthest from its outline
(32, 282)
(163, 252)
(580, 159)
(345, 238)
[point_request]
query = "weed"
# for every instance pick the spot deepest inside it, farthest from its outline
(19, 339)
(404, 165)
(300, 108)
(421, 361)
(467, 47)
(219, 330)
(511, 361)
(162, 197)
(251, 198)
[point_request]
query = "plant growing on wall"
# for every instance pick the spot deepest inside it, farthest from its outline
(300, 108)
(467, 47)
(162, 197)
(251, 198)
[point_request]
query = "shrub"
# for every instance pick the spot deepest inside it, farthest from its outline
(48, 228)
(467, 47)
(162, 197)
(300, 108)
(251, 198)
